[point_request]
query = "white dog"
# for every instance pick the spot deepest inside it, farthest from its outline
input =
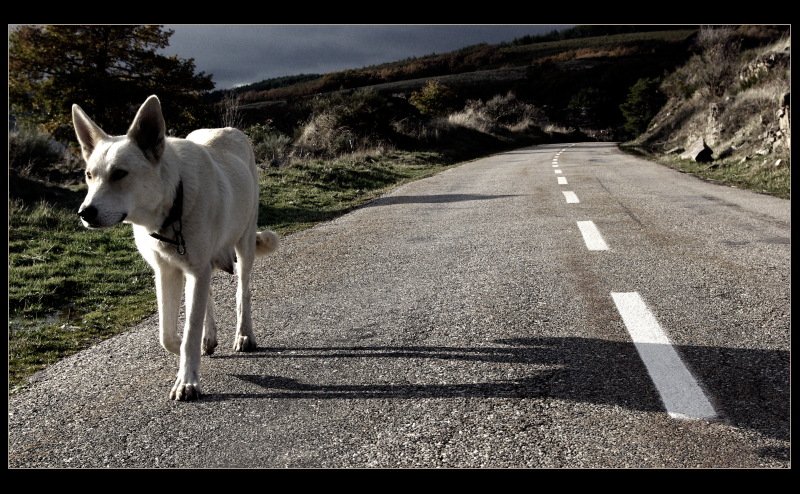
(193, 204)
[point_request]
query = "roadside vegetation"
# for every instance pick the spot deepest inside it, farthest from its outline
(734, 94)
(322, 154)
(764, 177)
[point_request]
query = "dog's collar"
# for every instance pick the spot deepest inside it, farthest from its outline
(174, 216)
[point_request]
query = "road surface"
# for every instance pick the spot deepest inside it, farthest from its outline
(558, 306)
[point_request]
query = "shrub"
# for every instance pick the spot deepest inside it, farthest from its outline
(269, 145)
(31, 152)
(345, 123)
(434, 99)
(501, 112)
(231, 110)
(712, 70)
(721, 47)
(682, 82)
(475, 117)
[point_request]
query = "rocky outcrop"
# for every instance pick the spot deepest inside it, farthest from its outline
(751, 122)
(765, 64)
(784, 123)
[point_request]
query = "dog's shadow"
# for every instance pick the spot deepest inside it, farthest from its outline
(574, 369)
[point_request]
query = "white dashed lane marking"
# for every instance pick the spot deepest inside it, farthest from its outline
(562, 180)
(591, 235)
(680, 393)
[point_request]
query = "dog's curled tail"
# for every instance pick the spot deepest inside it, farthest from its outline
(267, 242)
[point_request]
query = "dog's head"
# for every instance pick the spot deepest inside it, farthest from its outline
(121, 171)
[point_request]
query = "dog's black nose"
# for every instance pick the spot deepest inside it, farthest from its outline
(88, 214)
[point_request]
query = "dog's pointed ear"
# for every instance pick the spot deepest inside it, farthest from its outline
(89, 134)
(148, 129)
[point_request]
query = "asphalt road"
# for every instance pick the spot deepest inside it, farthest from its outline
(463, 321)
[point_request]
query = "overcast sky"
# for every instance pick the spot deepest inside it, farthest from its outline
(244, 54)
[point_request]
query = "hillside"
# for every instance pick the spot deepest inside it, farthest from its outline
(550, 74)
(712, 101)
(741, 113)
(580, 82)
(581, 42)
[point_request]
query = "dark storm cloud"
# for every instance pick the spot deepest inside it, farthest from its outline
(239, 54)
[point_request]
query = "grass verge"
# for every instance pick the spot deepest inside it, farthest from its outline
(758, 174)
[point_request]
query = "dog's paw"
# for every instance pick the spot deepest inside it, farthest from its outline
(183, 391)
(244, 344)
(209, 345)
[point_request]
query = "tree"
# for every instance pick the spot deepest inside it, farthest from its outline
(643, 103)
(108, 70)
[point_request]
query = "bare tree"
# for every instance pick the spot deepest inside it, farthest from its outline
(721, 48)
(231, 111)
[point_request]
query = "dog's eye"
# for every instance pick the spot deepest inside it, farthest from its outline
(118, 175)
(88, 175)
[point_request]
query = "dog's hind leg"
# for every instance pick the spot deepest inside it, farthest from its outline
(169, 286)
(245, 340)
(187, 384)
(209, 328)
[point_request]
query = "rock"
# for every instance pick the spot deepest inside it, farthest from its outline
(676, 150)
(784, 124)
(698, 152)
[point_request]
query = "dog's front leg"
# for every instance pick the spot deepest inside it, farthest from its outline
(169, 281)
(187, 385)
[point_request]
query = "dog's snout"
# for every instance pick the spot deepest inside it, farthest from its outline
(88, 213)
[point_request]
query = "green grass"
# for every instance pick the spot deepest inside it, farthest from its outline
(70, 287)
(306, 193)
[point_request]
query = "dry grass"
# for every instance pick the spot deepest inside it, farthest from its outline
(590, 52)
(473, 119)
